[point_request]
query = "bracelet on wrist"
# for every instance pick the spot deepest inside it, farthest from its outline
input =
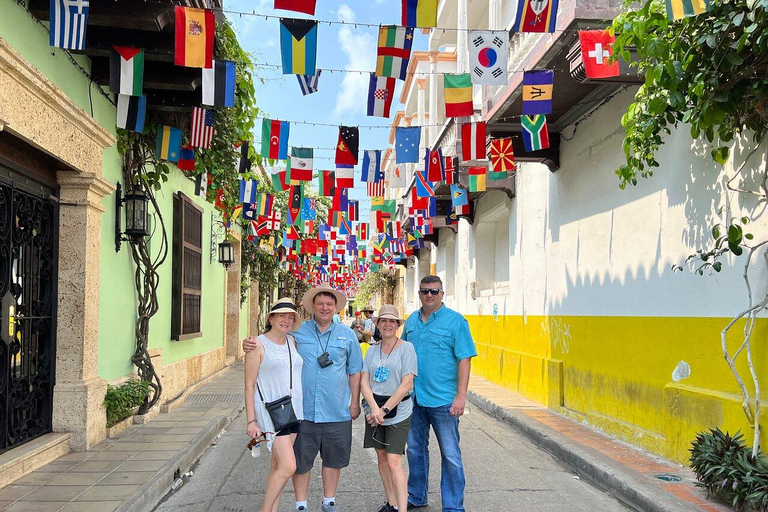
(252, 421)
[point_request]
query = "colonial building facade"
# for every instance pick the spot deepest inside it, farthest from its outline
(568, 281)
(69, 298)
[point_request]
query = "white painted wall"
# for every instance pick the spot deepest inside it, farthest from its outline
(578, 245)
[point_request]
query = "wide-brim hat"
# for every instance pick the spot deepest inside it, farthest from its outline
(388, 312)
(286, 305)
(306, 300)
(368, 308)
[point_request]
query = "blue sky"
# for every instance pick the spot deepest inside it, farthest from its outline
(342, 97)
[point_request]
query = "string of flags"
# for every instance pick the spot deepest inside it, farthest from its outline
(345, 247)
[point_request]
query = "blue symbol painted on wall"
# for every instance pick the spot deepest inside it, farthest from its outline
(496, 312)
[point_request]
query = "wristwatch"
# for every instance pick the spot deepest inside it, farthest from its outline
(385, 409)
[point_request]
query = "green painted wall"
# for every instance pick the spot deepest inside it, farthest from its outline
(117, 295)
(118, 309)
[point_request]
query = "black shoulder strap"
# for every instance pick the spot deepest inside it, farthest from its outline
(290, 368)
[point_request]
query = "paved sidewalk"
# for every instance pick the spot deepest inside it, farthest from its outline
(134, 471)
(642, 480)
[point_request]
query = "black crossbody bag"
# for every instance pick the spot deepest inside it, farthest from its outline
(281, 410)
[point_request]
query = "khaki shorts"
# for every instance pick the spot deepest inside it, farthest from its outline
(390, 438)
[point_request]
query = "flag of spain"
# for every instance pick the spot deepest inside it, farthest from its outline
(195, 29)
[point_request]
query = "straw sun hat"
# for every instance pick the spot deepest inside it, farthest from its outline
(285, 305)
(306, 300)
(389, 312)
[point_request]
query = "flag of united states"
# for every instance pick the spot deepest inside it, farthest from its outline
(202, 129)
(376, 189)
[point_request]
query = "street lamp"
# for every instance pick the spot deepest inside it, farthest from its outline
(226, 253)
(136, 216)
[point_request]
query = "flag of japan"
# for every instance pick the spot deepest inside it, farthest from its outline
(596, 50)
(473, 141)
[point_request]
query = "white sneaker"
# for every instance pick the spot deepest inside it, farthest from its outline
(331, 507)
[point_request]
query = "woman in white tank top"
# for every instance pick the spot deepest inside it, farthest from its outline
(272, 371)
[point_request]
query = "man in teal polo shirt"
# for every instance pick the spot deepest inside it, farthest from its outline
(444, 349)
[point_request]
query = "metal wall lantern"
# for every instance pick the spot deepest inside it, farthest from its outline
(136, 216)
(226, 253)
(225, 250)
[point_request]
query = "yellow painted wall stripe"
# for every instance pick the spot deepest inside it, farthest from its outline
(616, 372)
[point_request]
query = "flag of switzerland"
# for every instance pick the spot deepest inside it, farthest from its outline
(596, 50)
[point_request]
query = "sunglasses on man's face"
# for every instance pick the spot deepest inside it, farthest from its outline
(427, 291)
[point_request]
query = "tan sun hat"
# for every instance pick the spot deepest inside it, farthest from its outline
(389, 312)
(306, 300)
(368, 308)
(286, 305)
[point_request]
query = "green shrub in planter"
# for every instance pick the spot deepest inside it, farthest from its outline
(120, 400)
(724, 465)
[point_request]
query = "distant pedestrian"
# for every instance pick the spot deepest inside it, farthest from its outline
(388, 372)
(331, 384)
(444, 349)
(373, 336)
(358, 326)
(273, 372)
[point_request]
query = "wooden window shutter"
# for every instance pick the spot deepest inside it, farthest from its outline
(187, 268)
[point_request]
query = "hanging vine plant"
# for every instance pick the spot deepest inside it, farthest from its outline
(142, 170)
(709, 74)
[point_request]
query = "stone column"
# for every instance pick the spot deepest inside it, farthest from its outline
(79, 394)
(434, 115)
(232, 307)
(254, 310)
(421, 83)
(462, 57)
(494, 14)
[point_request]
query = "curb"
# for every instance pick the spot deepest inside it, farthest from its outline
(624, 487)
(146, 498)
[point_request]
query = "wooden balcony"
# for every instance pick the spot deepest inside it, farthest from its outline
(574, 95)
(146, 25)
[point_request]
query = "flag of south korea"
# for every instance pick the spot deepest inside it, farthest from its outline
(488, 55)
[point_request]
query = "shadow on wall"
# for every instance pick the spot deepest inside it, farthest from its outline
(625, 343)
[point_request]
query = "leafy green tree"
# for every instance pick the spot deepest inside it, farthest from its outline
(381, 283)
(710, 74)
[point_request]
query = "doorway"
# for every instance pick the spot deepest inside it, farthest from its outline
(29, 223)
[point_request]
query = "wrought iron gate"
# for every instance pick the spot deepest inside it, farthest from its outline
(28, 290)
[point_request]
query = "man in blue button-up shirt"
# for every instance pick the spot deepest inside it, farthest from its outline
(444, 349)
(330, 381)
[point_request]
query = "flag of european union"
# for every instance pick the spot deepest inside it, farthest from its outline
(407, 144)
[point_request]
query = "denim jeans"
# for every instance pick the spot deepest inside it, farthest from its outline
(452, 480)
